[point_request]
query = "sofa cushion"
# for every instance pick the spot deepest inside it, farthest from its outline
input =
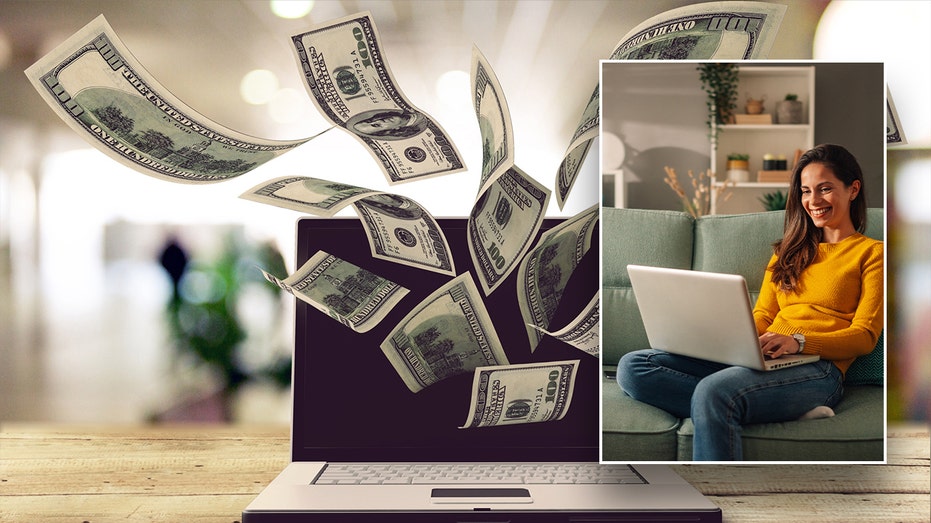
(876, 223)
(624, 331)
(635, 431)
(737, 244)
(856, 433)
(644, 237)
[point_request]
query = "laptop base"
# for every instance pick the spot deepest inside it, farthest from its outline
(665, 497)
(496, 516)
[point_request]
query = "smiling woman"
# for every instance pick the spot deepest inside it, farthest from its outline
(822, 294)
(826, 204)
(827, 200)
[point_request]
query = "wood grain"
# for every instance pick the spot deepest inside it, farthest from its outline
(208, 474)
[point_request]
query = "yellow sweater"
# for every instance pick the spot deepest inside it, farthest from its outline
(838, 305)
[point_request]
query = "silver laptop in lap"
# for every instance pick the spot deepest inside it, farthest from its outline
(703, 315)
(352, 411)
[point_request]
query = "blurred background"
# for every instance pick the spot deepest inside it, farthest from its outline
(126, 299)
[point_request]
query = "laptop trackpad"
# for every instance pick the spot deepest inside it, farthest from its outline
(480, 495)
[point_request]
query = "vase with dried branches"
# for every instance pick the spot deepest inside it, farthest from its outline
(698, 203)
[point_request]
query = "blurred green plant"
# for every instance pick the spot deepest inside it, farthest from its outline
(203, 318)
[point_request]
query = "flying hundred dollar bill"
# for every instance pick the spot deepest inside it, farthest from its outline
(737, 30)
(522, 393)
(494, 121)
(398, 228)
(448, 333)
(585, 132)
(351, 295)
(503, 224)
(402, 231)
(894, 134)
(314, 196)
(582, 331)
(545, 270)
(98, 88)
(348, 78)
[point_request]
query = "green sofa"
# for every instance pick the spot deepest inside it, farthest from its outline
(738, 244)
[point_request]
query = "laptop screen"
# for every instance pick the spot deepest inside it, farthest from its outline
(351, 405)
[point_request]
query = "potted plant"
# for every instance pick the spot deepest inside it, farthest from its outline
(789, 110)
(719, 81)
(755, 106)
(774, 201)
(738, 161)
(738, 167)
(206, 328)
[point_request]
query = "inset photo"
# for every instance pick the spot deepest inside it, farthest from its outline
(743, 264)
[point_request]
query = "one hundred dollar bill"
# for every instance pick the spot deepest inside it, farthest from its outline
(894, 134)
(582, 331)
(353, 296)
(494, 121)
(305, 194)
(398, 228)
(96, 86)
(401, 230)
(545, 270)
(348, 78)
(569, 169)
(503, 224)
(522, 393)
(737, 30)
(585, 132)
(448, 333)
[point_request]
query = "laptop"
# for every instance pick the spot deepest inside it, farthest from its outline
(352, 409)
(704, 315)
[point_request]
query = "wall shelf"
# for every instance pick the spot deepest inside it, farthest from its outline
(753, 185)
(775, 127)
(756, 140)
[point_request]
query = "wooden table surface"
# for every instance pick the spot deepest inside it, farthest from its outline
(209, 474)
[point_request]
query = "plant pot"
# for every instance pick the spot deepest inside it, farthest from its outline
(754, 106)
(725, 117)
(737, 165)
(789, 112)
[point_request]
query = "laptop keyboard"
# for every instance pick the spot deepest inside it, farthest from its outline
(480, 473)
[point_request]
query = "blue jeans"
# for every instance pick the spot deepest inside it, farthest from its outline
(721, 398)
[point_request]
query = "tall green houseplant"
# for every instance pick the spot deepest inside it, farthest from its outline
(720, 82)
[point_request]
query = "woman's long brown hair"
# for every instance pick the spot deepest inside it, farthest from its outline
(799, 244)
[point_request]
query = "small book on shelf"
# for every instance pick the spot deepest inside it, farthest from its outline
(773, 176)
(758, 119)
